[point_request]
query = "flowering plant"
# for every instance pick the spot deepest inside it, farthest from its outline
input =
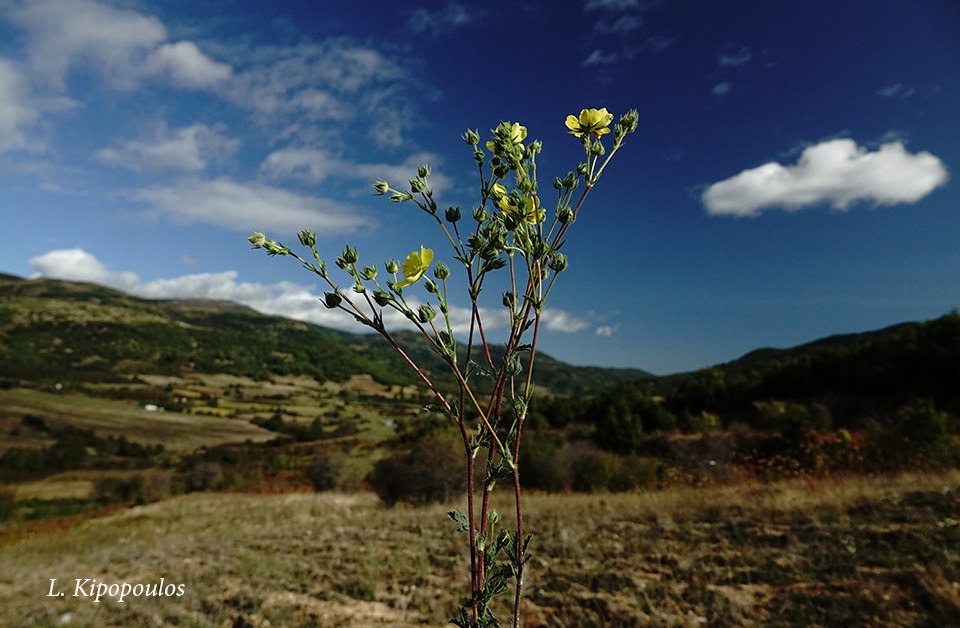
(509, 232)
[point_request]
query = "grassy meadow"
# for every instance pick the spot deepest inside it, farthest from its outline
(238, 459)
(857, 552)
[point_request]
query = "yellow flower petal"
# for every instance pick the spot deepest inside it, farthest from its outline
(593, 122)
(414, 266)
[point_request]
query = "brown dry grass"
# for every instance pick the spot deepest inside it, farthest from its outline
(861, 551)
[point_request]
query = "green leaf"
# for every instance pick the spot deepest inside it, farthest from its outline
(463, 524)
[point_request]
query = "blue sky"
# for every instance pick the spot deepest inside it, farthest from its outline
(793, 174)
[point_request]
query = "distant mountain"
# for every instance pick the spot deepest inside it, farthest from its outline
(853, 374)
(52, 329)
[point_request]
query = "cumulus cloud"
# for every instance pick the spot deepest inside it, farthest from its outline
(248, 206)
(78, 265)
(835, 172)
(124, 46)
(284, 298)
(187, 66)
(15, 113)
(188, 149)
(559, 320)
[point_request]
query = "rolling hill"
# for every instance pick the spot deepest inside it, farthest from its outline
(52, 329)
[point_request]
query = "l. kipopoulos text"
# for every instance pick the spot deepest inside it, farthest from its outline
(118, 591)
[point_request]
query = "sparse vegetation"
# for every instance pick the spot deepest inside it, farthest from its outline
(861, 551)
(723, 494)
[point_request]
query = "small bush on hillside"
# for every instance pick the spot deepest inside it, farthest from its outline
(429, 472)
(7, 504)
(324, 472)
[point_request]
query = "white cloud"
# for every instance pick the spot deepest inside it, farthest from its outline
(311, 165)
(836, 172)
(122, 45)
(284, 298)
(606, 331)
(740, 57)
(189, 149)
(78, 265)
(15, 113)
(721, 89)
(299, 90)
(623, 24)
(445, 20)
(597, 57)
(187, 66)
(248, 207)
(611, 5)
(559, 320)
(897, 90)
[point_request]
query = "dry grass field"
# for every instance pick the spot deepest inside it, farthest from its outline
(855, 552)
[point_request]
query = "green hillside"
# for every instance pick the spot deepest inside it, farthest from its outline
(52, 330)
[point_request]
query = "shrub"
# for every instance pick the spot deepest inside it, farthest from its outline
(541, 467)
(119, 489)
(325, 470)
(429, 472)
(8, 500)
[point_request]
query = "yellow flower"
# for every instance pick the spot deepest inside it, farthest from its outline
(514, 133)
(415, 265)
(533, 213)
(593, 122)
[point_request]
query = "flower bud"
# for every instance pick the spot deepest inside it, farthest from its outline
(275, 248)
(509, 300)
(583, 169)
(596, 148)
(571, 180)
(557, 184)
(331, 299)
(453, 214)
(307, 238)
(257, 240)
(440, 271)
(514, 366)
(430, 286)
(471, 137)
(480, 214)
(425, 313)
(381, 187)
(565, 215)
(382, 298)
(350, 254)
(417, 185)
(558, 263)
(369, 273)
(423, 171)
(392, 267)
(629, 122)
(400, 197)
(535, 147)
